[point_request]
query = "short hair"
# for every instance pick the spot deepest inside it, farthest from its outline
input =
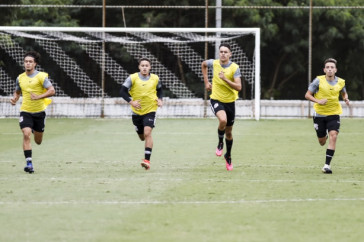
(144, 59)
(332, 60)
(225, 45)
(33, 54)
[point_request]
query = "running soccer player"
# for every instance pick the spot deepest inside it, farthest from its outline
(324, 91)
(35, 87)
(226, 83)
(143, 91)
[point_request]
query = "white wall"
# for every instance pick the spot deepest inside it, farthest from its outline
(174, 108)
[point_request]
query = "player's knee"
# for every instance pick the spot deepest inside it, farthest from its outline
(26, 136)
(27, 133)
(333, 136)
(141, 137)
(229, 136)
(38, 142)
(322, 141)
(147, 135)
(223, 122)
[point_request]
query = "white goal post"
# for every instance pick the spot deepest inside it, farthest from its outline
(185, 43)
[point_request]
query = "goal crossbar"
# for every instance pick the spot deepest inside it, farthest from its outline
(254, 31)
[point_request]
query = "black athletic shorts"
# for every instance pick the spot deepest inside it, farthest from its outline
(140, 121)
(323, 125)
(35, 121)
(229, 109)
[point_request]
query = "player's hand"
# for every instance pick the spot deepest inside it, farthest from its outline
(347, 101)
(34, 97)
(222, 75)
(159, 102)
(322, 101)
(135, 104)
(13, 101)
(208, 86)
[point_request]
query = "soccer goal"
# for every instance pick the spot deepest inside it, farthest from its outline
(87, 66)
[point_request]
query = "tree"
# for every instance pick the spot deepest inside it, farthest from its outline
(339, 33)
(43, 16)
(336, 33)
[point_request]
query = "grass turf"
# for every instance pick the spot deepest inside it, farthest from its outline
(88, 184)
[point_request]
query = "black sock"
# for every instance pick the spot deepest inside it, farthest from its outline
(229, 144)
(329, 155)
(28, 155)
(221, 137)
(147, 153)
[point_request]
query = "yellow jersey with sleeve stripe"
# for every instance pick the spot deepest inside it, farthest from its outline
(331, 93)
(146, 92)
(221, 91)
(33, 84)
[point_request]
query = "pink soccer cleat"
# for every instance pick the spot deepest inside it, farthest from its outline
(145, 164)
(218, 151)
(229, 164)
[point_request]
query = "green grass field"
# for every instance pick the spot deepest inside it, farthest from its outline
(89, 186)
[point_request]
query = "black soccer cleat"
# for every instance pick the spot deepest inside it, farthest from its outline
(326, 170)
(29, 168)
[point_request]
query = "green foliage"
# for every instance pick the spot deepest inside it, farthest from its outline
(44, 16)
(340, 34)
(337, 33)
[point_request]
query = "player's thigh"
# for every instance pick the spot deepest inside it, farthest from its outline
(149, 120)
(25, 121)
(26, 132)
(216, 107)
(333, 123)
(38, 137)
(39, 120)
(138, 124)
(221, 116)
(230, 113)
(319, 124)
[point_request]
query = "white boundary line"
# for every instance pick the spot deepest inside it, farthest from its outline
(173, 179)
(243, 164)
(293, 200)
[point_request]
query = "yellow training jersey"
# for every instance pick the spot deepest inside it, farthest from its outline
(33, 85)
(146, 92)
(331, 93)
(221, 91)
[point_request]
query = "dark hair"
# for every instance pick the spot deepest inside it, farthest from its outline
(225, 45)
(33, 54)
(332, 60)
(144, 59)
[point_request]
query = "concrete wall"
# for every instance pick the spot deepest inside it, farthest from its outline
(174, 108)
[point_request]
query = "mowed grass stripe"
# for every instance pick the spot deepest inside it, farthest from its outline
(88, 176)
(55, 203)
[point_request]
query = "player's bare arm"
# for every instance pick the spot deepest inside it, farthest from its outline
(135, 104)
(236, 84)
(309, 96)
(15, 97)
(50, 92)
(345, 98)
(208, 85)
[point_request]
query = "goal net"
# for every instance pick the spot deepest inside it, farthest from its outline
(87, 67)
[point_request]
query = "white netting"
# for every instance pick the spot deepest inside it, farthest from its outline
(16, 52)
(75, 60)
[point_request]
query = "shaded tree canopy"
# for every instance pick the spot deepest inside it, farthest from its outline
(337, 33)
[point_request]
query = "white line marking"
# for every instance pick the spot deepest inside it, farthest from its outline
(171, 179)
(294, 200)
(162, 163)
